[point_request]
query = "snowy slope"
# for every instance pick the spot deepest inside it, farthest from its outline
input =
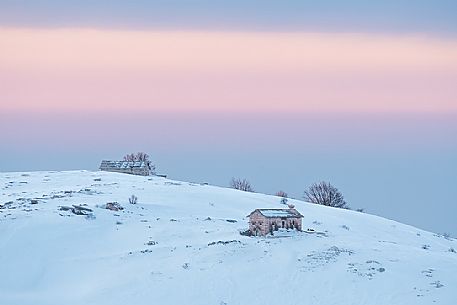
(164, 249)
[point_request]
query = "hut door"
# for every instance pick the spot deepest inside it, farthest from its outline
(283, 224)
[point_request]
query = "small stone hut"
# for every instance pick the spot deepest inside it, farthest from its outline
(264, 221)
(140, 168)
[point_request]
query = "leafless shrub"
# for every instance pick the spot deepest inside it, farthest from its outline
(241, 184)
(326, 194)
(281, 194)
(133, 199)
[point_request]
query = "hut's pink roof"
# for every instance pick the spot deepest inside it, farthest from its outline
(280, 213)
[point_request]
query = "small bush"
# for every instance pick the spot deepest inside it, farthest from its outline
(133, 199)
(281, 194)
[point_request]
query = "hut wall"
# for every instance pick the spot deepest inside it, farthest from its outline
(258, 224)
(137, 170)
(261, 225)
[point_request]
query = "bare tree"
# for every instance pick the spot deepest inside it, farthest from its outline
(141, 156)
(130, 157)
(241, 184)
(326, 194)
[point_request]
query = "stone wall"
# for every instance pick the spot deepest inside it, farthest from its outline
(261, 225)
(126, 167)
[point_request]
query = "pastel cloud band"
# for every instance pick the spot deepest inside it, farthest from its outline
(178, 70)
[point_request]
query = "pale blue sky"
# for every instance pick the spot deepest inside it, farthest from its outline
(403, 167)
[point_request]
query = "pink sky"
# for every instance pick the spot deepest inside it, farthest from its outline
(83, 69)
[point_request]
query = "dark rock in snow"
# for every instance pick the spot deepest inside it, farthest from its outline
(81, 208)
(113, 206)
(220, 242)
(77, 210)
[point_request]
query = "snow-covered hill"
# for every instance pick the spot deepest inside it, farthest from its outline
(180, 244)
